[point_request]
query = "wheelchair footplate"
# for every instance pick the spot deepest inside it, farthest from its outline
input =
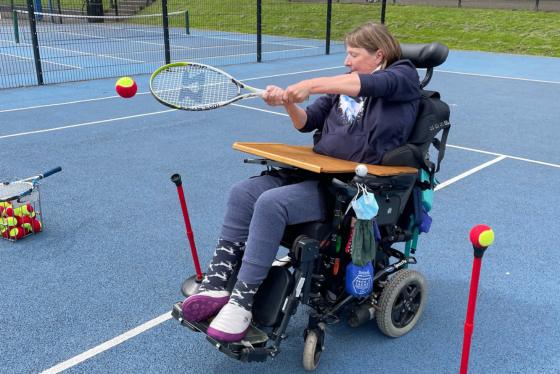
(253, 347)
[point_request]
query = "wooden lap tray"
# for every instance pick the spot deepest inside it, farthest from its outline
(303, 157)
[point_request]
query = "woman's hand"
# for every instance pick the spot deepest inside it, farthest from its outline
(297, 93)
(273, 95)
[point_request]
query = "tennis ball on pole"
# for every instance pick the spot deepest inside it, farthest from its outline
(126, 87)
(481, 236)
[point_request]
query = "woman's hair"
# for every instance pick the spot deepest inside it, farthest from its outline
(372, 37)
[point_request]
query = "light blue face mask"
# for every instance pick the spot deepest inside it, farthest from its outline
(365, 206)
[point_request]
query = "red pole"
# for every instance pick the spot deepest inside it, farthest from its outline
(469, 322)
(481, 237)
(176, 178)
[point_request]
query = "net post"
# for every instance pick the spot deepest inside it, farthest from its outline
(328, 31)
(116, 3)
(165, 19)
(383, 8)
(259, 30)
(16, 26)
(187, 23)
(35, 42)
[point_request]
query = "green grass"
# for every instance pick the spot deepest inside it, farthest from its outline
(511, 31)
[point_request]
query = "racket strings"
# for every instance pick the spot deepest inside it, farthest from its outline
(193, 86)
(9, 191)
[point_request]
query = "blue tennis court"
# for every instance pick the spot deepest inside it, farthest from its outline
(93, 292)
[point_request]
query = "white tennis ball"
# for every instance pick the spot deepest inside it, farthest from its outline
(361, 170)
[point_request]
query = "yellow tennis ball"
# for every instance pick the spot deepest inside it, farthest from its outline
(486, 238)
(5, 204)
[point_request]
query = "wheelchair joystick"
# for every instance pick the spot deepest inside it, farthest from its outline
(361, 170)
(481, 237)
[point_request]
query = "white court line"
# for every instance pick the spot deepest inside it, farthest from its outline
(469, 172)
(496, 76)
(46, 62)
(508, 156)
(83, 53)
(107, 345)
(85, 124)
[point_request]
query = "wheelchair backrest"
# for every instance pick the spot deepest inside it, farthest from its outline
(433, 114)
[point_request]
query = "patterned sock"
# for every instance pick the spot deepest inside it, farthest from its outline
(243, 293)
(227, 258)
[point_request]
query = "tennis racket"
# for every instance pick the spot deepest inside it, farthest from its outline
(18, 189)
(193, 86)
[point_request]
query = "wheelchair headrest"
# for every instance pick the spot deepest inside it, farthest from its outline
(425, 56)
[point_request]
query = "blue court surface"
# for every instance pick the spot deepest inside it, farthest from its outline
(93, 292)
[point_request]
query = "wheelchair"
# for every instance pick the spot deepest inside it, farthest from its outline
(313, 272)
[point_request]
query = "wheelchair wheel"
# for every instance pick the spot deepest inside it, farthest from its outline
(401, 303)
(313, 347)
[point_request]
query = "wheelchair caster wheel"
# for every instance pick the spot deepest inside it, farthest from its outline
(401, 303)
(313, 347)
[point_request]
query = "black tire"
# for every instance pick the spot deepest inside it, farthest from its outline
(312, 349)
(401, 303)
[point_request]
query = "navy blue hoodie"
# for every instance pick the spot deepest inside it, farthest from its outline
(391, 98)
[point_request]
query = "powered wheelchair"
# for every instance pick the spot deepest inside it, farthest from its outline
(313, 272)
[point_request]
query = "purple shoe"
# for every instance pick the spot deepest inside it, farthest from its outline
(231, 324)
(203, 305)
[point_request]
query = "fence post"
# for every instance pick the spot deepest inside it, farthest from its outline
(328, 32)
(187, 23)
(16, 26)
(458, 3)
(537, 5)
(259, 30)
(383, 8)
(35, 42)
(165, 20)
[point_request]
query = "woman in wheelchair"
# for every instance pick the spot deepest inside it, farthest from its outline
(361, 116)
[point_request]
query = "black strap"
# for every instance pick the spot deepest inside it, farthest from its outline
(440, 144)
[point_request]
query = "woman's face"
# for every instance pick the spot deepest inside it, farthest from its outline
(359, 60)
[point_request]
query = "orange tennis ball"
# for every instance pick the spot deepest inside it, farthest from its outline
(126, 87)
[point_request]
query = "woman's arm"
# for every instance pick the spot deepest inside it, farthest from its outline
(297, 115)
(273, 96)
(346, 84)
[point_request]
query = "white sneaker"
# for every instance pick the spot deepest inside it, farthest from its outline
(205, 304)
(231, 323)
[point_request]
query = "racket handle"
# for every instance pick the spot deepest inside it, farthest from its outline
(51, 172)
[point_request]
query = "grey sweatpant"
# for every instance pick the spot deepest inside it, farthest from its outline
(259, 209)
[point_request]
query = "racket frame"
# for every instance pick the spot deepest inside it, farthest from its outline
(254, 92)
(31, 182)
